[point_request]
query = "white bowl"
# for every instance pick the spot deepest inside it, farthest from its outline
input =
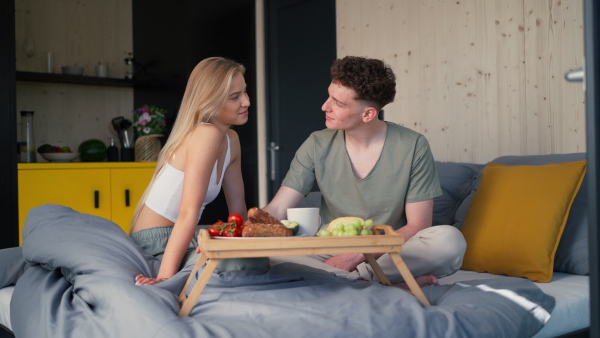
(60, 157)
(72, 70)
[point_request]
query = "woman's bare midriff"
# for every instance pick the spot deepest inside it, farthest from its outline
(149, 219)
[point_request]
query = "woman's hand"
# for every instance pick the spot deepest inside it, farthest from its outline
(141, 280)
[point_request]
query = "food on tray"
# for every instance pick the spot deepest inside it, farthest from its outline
(233, 228)
(344, 220)
(266, 230)
(294, 226)
(262, 224)
(223, 229)
(257, 215)
(348, 226)
(236, 218)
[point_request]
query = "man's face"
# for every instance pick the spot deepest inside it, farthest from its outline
(342, 110)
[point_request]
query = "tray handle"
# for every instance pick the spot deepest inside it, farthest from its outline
(203, 235)
(382, 229)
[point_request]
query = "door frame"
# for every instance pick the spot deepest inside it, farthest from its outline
(591, 12)
(9, 235)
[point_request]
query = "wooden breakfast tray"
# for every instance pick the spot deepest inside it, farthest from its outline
(214, 249)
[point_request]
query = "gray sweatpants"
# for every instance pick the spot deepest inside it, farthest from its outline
(154, 241)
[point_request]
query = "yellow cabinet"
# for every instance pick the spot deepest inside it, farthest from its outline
(105, 189)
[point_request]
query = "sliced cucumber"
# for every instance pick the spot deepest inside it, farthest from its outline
(294, 226)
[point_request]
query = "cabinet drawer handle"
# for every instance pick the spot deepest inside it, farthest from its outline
(96, 199)
(126, 197)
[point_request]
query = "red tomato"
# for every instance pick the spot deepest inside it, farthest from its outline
(237, 218)
(231, 230)
(216, 229)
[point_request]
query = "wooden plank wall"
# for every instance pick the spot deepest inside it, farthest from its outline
(479, 79)
(77, 32)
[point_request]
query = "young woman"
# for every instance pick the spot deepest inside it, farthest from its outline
(201, 155)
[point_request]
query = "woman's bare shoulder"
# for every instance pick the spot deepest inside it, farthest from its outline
(233, 135)
(206, 133)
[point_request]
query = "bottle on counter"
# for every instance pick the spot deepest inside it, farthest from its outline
(112, 151)
(129, 61)
(28, 154)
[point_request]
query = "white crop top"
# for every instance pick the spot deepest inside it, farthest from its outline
(165, 195)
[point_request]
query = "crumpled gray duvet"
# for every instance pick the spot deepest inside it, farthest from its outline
(80, 283)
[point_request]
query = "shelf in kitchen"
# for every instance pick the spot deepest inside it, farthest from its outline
(95, 81)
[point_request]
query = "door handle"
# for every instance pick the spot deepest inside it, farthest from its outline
(577, 75)
(126, 197)
(272, 149)
(96, 199)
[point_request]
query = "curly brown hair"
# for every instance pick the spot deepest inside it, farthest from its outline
(371, 79)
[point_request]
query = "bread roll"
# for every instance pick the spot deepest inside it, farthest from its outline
(257, 215)
(266, 230)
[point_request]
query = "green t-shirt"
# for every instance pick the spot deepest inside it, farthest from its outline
(404, 173)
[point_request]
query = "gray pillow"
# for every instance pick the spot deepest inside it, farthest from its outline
(572, 253)
(456, 180)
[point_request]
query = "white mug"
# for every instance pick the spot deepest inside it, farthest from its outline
(308, 220)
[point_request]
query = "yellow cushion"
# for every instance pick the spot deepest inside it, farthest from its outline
(517, 217)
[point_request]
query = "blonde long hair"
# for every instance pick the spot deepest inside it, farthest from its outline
(206, 92)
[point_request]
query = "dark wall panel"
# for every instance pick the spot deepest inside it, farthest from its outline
(9, 227)
(167, 53)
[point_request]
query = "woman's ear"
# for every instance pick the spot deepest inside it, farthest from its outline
(369, 114)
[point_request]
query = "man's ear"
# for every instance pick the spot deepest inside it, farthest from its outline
(369, 114)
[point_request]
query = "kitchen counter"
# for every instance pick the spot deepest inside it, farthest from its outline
(84, 165)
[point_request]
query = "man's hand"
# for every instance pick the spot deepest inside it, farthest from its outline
(347, 262)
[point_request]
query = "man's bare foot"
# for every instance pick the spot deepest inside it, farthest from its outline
(347, 262)
(422, 281)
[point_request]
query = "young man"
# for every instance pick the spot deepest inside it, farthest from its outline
(370, 168)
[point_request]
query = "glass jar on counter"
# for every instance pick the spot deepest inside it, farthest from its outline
(28, 154)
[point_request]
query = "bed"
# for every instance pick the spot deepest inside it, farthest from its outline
(74, 277)
(79, 281)
(80, 269)
(570, 314)
(572, 310)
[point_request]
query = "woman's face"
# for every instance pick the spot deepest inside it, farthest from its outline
(235, 108)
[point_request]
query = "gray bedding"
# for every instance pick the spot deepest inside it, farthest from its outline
(80, 283)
